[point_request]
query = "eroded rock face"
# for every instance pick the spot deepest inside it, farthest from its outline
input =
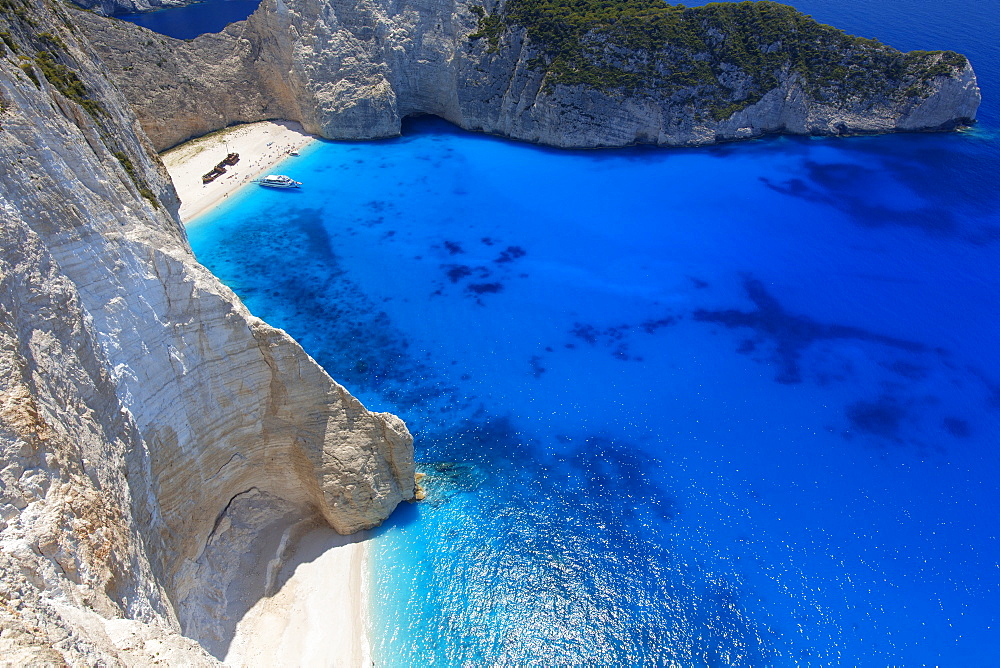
(182, 89)
(350, 69)
(139, 399)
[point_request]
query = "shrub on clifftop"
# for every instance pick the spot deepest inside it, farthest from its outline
(725, 54)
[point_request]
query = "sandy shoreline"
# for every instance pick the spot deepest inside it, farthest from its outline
(317, 615)
(261, 146)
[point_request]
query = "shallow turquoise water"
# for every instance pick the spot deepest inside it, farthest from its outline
(728, 406)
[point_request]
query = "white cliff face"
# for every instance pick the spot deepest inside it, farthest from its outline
(956, 96)
(183, 89)
(140, 401)
(350, 69)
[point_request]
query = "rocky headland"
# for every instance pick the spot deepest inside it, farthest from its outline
(160, 447)
(588, 75)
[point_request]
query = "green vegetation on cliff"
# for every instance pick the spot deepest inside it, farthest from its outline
(722, 56)
(133, 174)
(66, 81)
(61, 67)
(19, 32)
(17, 9)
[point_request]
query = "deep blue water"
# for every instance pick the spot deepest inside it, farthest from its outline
(192, 20)
(733, 406)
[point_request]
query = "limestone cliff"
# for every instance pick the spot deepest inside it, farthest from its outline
(149, 424)
(645, 73)
(183, 89)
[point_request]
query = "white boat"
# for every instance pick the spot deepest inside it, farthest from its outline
(278, 181)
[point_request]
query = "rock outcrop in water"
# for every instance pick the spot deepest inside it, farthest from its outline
(599, 74)
(150, 427)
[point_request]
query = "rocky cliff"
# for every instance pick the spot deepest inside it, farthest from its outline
(150, 426)
(582, 75)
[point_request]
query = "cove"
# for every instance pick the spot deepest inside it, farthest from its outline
(734, 405)
(728, 406)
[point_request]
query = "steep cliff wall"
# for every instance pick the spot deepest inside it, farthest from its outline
(148, 422)
(640, 72)
(183, 89)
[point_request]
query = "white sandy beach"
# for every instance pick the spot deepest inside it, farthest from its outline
(313, 607)
(261, 146)
(316, 616)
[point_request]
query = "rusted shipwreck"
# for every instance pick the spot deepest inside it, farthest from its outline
(220, 168)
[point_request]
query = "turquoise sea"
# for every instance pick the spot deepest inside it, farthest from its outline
(732, 406)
